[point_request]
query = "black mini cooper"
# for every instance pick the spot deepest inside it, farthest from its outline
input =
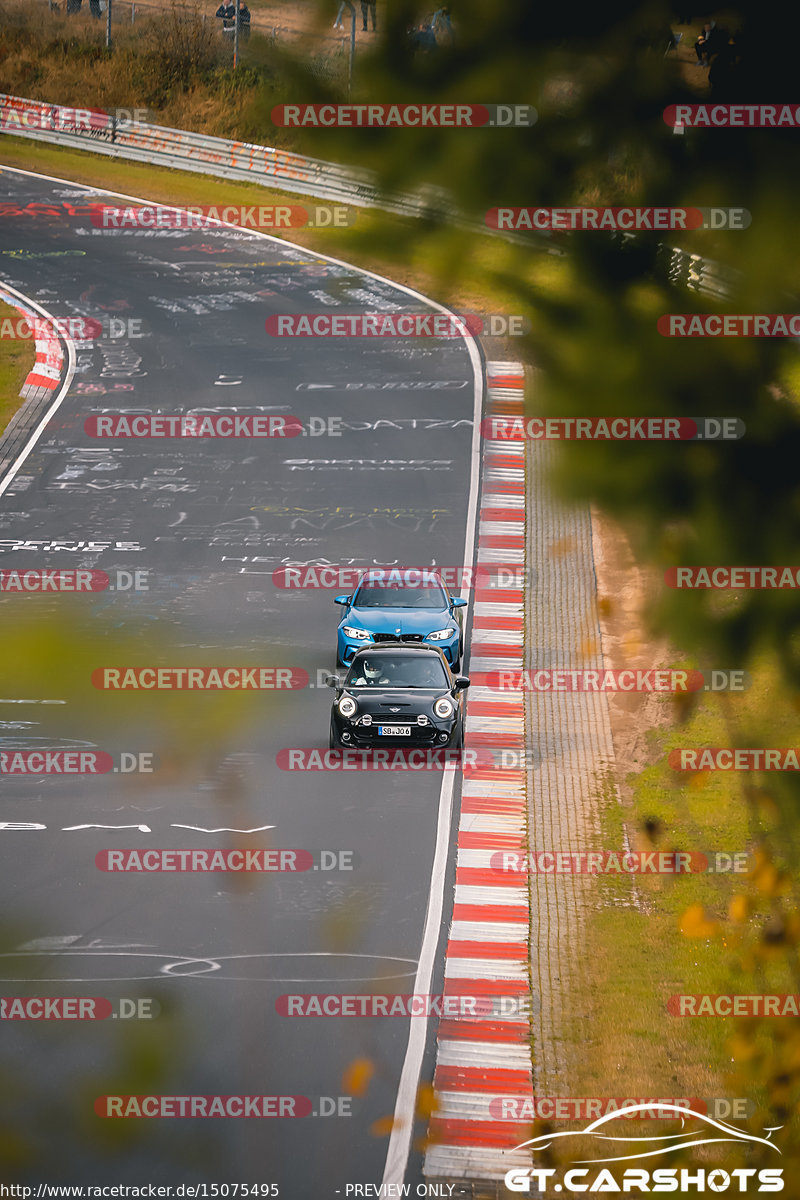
(396, 694)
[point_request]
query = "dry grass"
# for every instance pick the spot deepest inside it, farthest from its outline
(16, 360)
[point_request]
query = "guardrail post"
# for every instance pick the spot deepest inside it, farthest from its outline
(133, 11)
(236, 39)
(108, 25)
(352, 8)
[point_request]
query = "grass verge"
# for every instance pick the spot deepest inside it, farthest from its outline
(16, 360)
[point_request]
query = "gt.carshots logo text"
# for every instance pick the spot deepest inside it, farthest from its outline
(410, 116)
(611, 1134)
(613, 429)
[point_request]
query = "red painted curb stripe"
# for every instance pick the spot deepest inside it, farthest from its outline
(501, 805)
(513, 842)
(511, 622)
(500, 596)
(496, 650)
(495, 708)
(501, 1134)
(502, 514)
(471, 1030)
(486, 877)
(492, 1080)
(499, 950)
(492, 912)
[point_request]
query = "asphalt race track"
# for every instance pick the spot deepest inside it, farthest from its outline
(208, 521)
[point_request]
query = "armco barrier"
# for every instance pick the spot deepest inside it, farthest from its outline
(185, 151)
(177, 148)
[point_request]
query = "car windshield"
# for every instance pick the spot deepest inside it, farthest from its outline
(403, 671)
(430, 596)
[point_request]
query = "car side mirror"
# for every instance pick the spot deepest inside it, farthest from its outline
(461, 683)
(333, 681)
(341, 599)
(458, 602)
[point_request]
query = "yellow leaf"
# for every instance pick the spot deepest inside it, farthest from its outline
(698, 922)
(426, 1101)
(739, 908)
(357, 1076)
(382, 1127)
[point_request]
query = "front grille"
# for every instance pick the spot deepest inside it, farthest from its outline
(395, 637)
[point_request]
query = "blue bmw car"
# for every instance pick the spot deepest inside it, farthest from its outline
(388, 612)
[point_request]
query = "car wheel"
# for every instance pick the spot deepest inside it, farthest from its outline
(457, 739)
(333, 740)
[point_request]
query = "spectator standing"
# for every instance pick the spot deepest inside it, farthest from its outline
(338, 23)
(368, 7)
(441, 25)
(709, 43)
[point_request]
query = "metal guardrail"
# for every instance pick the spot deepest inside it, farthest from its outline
(186, 151)
(183, 150)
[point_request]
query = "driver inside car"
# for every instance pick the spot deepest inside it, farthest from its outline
(372, 675)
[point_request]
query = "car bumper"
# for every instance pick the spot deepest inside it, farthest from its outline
(367, 737)
(347, 647)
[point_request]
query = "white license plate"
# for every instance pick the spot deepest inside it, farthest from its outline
(394, 731)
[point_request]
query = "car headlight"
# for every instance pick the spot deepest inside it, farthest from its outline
(440, 635)
(347, 706)
(444, 707)
(360, 635)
